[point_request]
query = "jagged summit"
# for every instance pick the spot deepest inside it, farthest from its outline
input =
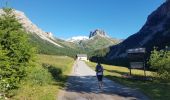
(98, 32)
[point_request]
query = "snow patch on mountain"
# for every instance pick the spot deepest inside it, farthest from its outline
(77, 38)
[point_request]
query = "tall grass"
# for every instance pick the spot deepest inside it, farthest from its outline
(156, 90)
(45, 79)
(63, 62)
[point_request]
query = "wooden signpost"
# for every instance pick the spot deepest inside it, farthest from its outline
(137, 59)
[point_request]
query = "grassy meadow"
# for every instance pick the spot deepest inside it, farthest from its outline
(156, 90)
(45, 79)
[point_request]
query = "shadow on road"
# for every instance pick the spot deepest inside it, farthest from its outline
(89, 85)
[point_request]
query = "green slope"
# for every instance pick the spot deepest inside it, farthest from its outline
(44, 47)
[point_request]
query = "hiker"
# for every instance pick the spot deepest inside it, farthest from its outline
(99, 74)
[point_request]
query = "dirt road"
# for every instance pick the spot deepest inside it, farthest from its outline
(82, 85)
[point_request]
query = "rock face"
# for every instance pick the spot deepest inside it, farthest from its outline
(97, 32)
(32, 28)
(155, 32)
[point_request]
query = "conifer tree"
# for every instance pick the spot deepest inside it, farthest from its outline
(16, 54)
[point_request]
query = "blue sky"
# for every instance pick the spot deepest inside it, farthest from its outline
(67, 18)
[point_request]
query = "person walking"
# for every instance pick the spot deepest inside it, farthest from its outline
(99, 74)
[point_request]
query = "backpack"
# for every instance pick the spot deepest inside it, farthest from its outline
(99, 68)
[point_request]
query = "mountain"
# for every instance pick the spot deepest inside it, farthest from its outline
(155, 32)
(32, 28)
(98, 39)
(48, 44)
(98, 32)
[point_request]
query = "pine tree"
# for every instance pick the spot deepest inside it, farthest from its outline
(16, 54)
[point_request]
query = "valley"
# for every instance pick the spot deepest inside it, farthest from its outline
(37, 65)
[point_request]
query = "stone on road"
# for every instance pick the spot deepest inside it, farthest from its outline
(82, 85)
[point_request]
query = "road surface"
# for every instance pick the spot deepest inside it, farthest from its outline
(82, 85)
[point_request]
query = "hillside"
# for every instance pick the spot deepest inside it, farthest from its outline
(45, 47)
(30, 27)
(155, 32)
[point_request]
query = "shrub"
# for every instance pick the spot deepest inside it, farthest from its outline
(39, 76)
(160, 60)
(54, 71)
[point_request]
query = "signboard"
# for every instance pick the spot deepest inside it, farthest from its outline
(136, 55)
(136, 65)
(136, 50)
(136, 58)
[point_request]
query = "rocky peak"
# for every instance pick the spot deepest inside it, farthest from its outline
(97, 32)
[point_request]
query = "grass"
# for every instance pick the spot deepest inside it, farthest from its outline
(155, 90)
(44, 82)
(63, 62)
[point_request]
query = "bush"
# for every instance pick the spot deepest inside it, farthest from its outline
(39, 76)
(54, 71)
(160, 60)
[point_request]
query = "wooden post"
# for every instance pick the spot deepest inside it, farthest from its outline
(144, 68)
(130, 72)
(130, 69)
(145, 72)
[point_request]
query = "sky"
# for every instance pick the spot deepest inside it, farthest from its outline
(68, 18)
